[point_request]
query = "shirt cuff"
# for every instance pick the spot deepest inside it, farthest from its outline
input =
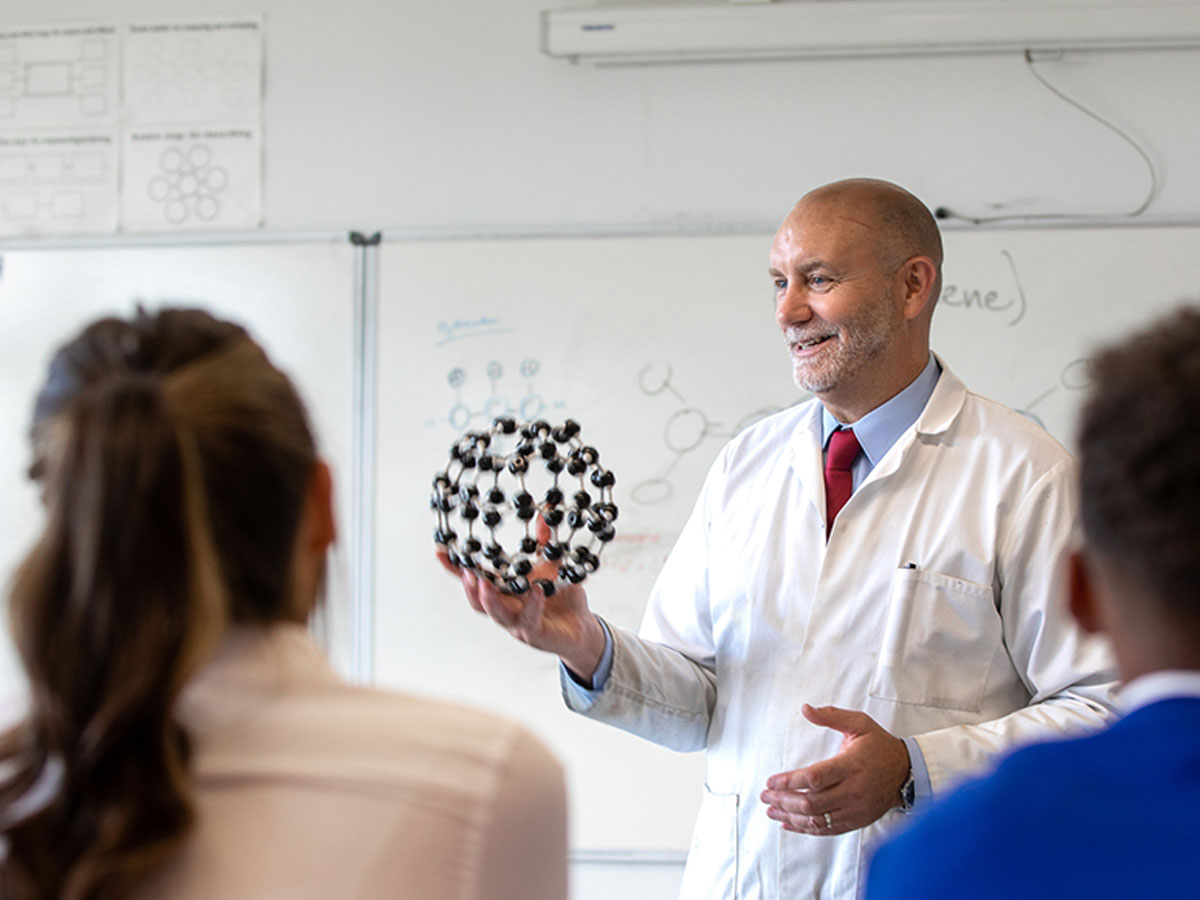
(922, 787)
(584, 694)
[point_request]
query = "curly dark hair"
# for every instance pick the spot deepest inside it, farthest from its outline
(1139, 446)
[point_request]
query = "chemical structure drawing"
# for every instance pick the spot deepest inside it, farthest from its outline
(529, 405)
(980, 301)
(188, 183)
(685, 430)
(1075, 376)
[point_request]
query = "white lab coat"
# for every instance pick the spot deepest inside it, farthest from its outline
(936, 608)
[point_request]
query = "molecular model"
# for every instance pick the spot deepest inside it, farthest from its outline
(491, 489)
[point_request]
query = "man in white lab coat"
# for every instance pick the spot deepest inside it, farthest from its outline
(848, 625)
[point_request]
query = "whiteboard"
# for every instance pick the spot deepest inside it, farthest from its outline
(1055, 296)
(662, 347)
(659, 360)
(297, 300)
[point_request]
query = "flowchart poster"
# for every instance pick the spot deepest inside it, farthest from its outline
(55, 76)
(192, 144)
(59, 96)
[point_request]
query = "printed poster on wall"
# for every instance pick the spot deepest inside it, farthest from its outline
(153, 126)
(192, 178)
(59, 96)
(192, 146)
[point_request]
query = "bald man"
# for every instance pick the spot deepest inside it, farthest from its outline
(863, 607)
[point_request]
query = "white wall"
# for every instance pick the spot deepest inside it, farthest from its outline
(442, 114)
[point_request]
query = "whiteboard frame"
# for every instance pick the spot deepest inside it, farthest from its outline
(362, 473)
(365, 293)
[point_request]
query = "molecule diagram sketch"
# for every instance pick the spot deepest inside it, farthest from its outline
(685, 430)
(990, 301)
(1075, 376)
(188, 184)
(528, 406)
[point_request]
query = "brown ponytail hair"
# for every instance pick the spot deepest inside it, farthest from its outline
(174, 461)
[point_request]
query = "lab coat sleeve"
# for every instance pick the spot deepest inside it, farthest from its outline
(654, 692)
(1069, 676)
(663, 681)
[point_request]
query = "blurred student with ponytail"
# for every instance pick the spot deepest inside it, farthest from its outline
(184, 737)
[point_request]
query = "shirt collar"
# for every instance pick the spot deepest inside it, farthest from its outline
(882, 426)
(1155, 686)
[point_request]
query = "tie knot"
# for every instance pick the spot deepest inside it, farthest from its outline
(843, 449)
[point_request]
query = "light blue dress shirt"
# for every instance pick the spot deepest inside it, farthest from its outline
(876, 432)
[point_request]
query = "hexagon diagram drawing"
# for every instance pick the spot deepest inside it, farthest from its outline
(188, 184)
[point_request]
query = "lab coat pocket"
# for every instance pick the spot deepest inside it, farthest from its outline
(939, 641)
(712, 863)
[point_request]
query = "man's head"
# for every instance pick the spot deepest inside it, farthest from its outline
(857, 270)
(1138, 575)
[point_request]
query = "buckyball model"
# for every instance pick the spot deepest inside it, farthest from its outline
(489, 487)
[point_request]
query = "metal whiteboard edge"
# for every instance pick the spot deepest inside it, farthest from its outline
(366, 329)
(501, 232)
(201, 239)
(522, 232)
(627, 857)
(618, 230)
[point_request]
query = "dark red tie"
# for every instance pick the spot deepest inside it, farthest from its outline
(843, 450)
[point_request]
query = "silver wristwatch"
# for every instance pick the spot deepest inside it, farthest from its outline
(908, 793)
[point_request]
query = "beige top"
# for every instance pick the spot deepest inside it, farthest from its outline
(308, 787)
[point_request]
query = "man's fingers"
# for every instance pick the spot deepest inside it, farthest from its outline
(470, 583)
(811, 803)
(796, 780)
(847, 721)
(818, 827)
(806, 813)
(844, 792)
(443, 556)
(799, 799)
(504, 609)
(788, 803)
(521, 614)
(808, 803)
(829, 822)
(817, 777)
(533, 605)
(544, 569)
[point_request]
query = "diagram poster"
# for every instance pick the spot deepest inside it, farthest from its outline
(192, 178)
(192, 147)
(59, 94)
